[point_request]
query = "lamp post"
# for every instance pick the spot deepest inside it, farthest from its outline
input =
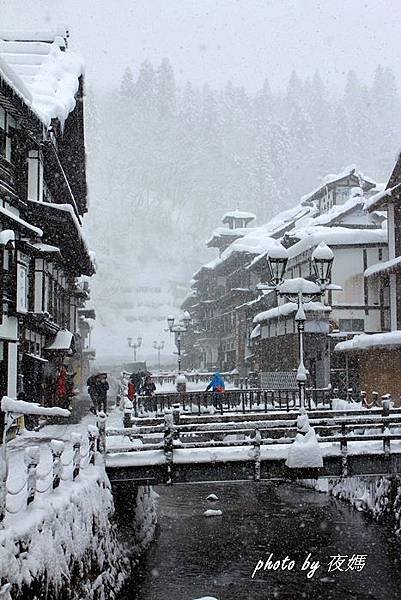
(134, 345)
(299, 291)
(178, 329)
(158, 346)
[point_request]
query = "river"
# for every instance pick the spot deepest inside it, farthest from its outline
(195, 556)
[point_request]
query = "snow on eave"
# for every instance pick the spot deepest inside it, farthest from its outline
(387, 266)
(335, 236)
(20, 221)
(381, 199)
(366, 341)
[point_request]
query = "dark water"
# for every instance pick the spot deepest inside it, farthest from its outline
(195, 556)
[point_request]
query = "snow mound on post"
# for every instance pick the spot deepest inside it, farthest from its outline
(305, 452)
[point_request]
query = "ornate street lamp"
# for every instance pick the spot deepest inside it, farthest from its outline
(158, 346)
(134, 345)
(322, 258)
(277, 259)
(299, 291)
(181, 327)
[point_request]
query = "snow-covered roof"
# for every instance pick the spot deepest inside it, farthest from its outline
(381, 199)
(238, 214)
(224, 232)
(387, 266)
(284, 310)
(365, 341)
(335, 236)
(333, 178)
(42, 71)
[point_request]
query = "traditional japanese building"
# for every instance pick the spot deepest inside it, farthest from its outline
(43, 192)
(238, 326)
(377, 356)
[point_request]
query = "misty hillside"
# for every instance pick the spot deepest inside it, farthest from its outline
(166, 162)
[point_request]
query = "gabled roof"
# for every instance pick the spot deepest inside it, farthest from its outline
(42, 72)
(238, 214)
(331, 180)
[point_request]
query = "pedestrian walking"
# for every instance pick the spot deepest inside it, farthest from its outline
(136, 379)
(149, 386)
(217, 386)
(91, 385)
(101, 390)
(62, 387)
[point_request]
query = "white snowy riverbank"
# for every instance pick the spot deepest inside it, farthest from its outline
(67, 542)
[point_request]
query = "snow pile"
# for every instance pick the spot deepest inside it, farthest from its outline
(20, 407)
(213, 513)
(368, 494)
(341, 404)
(61, 535)
(43, 75)
(145, 518)
(304, 452)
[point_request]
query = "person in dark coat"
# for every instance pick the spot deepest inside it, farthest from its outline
(136, 379)
(91, 384)
(149, 386)
(101, 390)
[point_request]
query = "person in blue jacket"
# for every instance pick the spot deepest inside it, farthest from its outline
(218, 386)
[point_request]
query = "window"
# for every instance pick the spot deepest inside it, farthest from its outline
(351, 324)
(35, 176)
(7, 127)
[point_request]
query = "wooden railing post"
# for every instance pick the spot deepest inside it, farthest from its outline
(344, 457)
(76, 439)
(57, 448)
(256, 444)
(93, 434)
(31, 460)
(101, 440)
(168, 445)
(385, 410)
(176, 413)
(127, 413)
(375, 398)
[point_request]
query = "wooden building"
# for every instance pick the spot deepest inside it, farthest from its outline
(237, 326)
(377, 356)
(43, 251)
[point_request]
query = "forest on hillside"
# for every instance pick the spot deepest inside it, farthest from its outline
(165, 161)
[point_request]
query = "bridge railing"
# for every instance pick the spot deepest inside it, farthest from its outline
(240, 400)
(66, 465)
(174, 433)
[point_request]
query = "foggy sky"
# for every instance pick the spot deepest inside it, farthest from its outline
(216, 40)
